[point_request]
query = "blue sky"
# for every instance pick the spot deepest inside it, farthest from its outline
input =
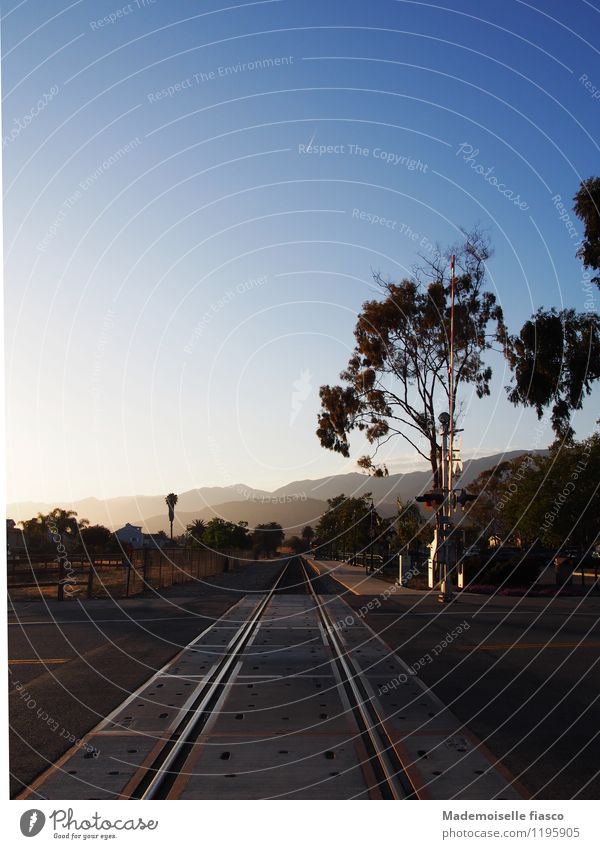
(181, 276)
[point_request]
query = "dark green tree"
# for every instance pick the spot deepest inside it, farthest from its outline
(487, 514)
(240, 535)
(195, 532)
(220, 534)
(551, 499)
(396, 381)
(587, 208)
(308, 534)
(267, 538)
(40, 530)
(97, 538)
(558, 500)
(35, 533)
(555, 360)
(297, 544)
(349, 524)
(411, 531)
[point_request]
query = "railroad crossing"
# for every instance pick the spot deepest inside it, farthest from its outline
(288, 695)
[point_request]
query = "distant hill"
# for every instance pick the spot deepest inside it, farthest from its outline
(294, 505)
(115, 512)
(386, 490)
(291, 515)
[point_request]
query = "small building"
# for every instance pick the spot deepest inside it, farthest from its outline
(134, 535)
(159, 540)
(131, 534)
(496, 541)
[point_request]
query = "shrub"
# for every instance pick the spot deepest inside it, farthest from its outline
(518, 571)
(474, 568)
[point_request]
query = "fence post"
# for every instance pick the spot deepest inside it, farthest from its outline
(90, 583)
(146, 553)
(60, 594)
(127, 577)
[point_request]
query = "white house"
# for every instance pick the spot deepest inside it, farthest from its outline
(131, 534)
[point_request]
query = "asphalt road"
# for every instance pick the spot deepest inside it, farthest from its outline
(524, 676)
(71, 663)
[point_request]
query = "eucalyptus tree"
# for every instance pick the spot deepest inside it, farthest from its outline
(555, 357)
(587, 208)
(555, 360)
(396, 381)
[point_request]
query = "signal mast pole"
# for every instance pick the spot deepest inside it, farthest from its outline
(447, 422)
(443, 497)
(451, 387)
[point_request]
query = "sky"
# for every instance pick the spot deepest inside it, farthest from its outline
(196, 196)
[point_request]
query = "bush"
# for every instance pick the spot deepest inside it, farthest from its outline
(518, 571)
(589, 563)
(474, 568)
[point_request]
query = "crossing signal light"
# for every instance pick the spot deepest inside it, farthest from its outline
(462, 498)
(432, 499)
(435, 498)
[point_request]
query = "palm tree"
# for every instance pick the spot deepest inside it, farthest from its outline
(171, 501)
(68, 522)
(61, 523)
(195, 530)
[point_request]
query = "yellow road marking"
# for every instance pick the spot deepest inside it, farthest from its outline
(339, 580)
(43, 660)
(330, 573)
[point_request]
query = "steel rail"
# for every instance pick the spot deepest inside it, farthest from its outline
(157, 785)
(393, 781)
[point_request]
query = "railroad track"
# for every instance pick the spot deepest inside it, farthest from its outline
(315, 727)
(391, 781)
(158, 778)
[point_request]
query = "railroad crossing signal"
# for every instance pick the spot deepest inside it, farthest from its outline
(460, 498)
(432, 499)
(435, 498)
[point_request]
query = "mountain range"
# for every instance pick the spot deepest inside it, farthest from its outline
(294, 505)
